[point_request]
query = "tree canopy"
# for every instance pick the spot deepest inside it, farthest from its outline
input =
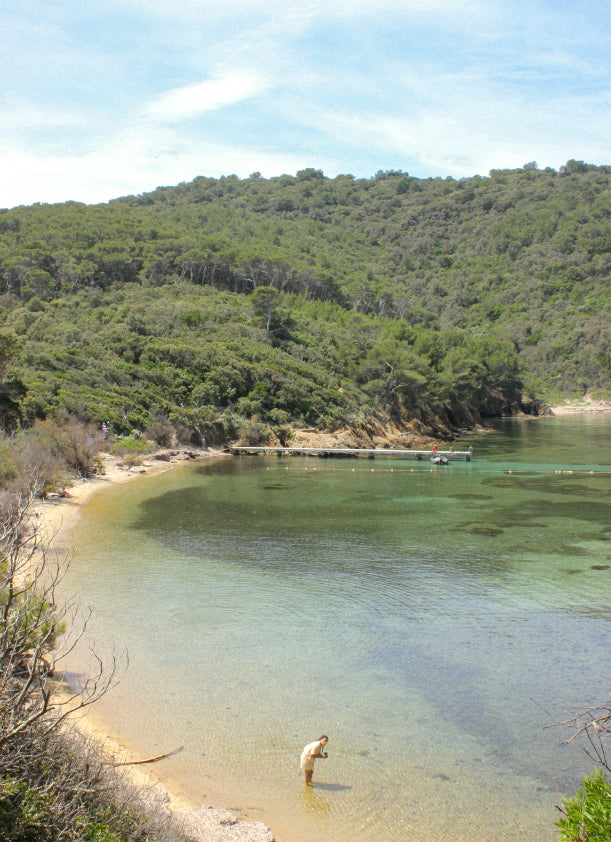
(309, 299)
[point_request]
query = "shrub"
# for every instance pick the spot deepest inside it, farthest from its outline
(25, 456)
(8, 468)
(54, 786)
(126, 444)
(185, 435)
(253, 434)
(23, 812)
(588, 814)
(75, 443)
(160, 430)
(132, 460)
(67, 792)
(279, 416)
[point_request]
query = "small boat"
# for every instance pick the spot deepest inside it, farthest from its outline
(439, 460)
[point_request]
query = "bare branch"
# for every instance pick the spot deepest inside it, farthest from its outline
(593, 726)
(36, 633)
(150, 759)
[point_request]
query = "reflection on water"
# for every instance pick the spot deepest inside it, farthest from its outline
(428, 619)
(314, 803)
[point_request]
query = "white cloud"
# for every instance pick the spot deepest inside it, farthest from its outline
(211, 8)
(469, 128)
(128, 163)
(433, 86)
(210, 95)
(22, 114)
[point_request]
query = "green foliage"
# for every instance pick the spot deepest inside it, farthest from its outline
(29, 616)
(588, 814)
(103, 826)
(130, 444)
(31, 814)
(12, 390)
(23, 813)
(9, 347)
(332, 361)
(187, 297)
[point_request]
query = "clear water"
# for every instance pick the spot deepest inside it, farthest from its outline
(429, 620)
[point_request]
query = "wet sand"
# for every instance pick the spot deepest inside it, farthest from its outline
(201, 823)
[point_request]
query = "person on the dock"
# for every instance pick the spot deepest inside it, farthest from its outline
(311, 753)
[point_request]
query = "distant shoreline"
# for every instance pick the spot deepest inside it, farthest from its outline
(573, 407)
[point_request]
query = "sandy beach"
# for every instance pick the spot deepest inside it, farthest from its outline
(198, 822)
(585, 404)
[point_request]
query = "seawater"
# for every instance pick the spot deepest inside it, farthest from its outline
(430, 620)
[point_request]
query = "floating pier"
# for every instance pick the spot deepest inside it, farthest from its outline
(353, 452)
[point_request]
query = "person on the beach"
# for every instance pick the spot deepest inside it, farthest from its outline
(310, 753)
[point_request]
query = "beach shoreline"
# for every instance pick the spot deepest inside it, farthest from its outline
(56, 515)
(585, 404)
(198, 822)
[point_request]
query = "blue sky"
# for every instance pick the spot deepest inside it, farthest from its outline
(102, 100)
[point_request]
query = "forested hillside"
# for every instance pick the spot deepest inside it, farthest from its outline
(226, 303)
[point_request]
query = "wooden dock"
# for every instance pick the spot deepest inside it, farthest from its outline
(353, 453)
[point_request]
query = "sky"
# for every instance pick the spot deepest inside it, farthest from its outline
(119, 97)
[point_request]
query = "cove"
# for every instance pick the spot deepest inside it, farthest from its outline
(430, 620)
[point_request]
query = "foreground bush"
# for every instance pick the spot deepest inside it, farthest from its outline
(60, 788)
(588, 814)
(53, 785)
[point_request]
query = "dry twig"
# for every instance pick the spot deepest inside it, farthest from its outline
(150, 759)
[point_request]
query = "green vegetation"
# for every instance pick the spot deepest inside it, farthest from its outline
(588, 814)
(238, 309)
(308, 300)
(139, 359)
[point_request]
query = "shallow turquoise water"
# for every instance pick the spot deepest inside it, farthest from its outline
(425, 618)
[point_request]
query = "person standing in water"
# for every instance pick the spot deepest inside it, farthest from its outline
(310, 753)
